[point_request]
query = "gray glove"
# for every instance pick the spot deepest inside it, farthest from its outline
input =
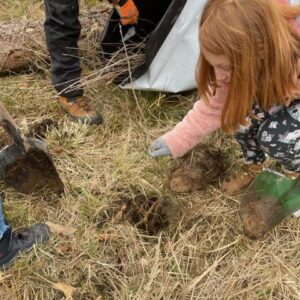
(159, 148)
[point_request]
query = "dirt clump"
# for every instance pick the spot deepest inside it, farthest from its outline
(200, 168)
(31, 172)
(259, 215)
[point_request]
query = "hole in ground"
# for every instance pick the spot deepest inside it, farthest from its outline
(148, 213)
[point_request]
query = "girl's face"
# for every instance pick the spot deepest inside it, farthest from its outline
(221, 65)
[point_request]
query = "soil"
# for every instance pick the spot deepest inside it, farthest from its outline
(33, 171)
(40, 129)
(259, 215)
(200, 168)
(149, 214)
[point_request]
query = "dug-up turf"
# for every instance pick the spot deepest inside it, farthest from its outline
(204, 166)
(33, 171)
(149, 214)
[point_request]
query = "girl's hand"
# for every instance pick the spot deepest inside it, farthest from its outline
(159, 148)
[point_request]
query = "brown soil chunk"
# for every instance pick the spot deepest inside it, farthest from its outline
(259, 215)
(33, 171)
(200, 168)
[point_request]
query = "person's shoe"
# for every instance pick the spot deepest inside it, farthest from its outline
(240, 178)
(13, 243)
(80, 110)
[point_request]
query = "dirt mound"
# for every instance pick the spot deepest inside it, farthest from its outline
(200, 168)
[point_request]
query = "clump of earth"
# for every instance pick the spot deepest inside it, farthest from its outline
(260, 214)
(203, 166)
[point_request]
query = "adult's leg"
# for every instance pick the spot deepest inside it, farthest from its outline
(62, 29)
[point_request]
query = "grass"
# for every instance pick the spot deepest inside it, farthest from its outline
(201, 254)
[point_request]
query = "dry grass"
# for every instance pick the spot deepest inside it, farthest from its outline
(200, 253)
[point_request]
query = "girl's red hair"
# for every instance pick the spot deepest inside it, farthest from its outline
(263, 49)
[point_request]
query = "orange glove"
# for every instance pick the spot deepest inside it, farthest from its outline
(127, 11)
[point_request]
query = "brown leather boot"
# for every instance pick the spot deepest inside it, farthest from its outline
(240, 178)
(80, 110)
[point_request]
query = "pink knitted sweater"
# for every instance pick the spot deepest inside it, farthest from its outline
(201, 120)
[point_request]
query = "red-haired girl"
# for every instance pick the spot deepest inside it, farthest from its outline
(248, 76)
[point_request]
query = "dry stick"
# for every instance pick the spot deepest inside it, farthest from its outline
(130, 74)
(224, 247)
(99, 74)
(119, 215)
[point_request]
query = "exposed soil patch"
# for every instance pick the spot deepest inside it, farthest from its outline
(40, 129)
(200, 168)
(32, 171)
(146, 213)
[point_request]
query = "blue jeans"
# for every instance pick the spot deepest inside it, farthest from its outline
(3, 225)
